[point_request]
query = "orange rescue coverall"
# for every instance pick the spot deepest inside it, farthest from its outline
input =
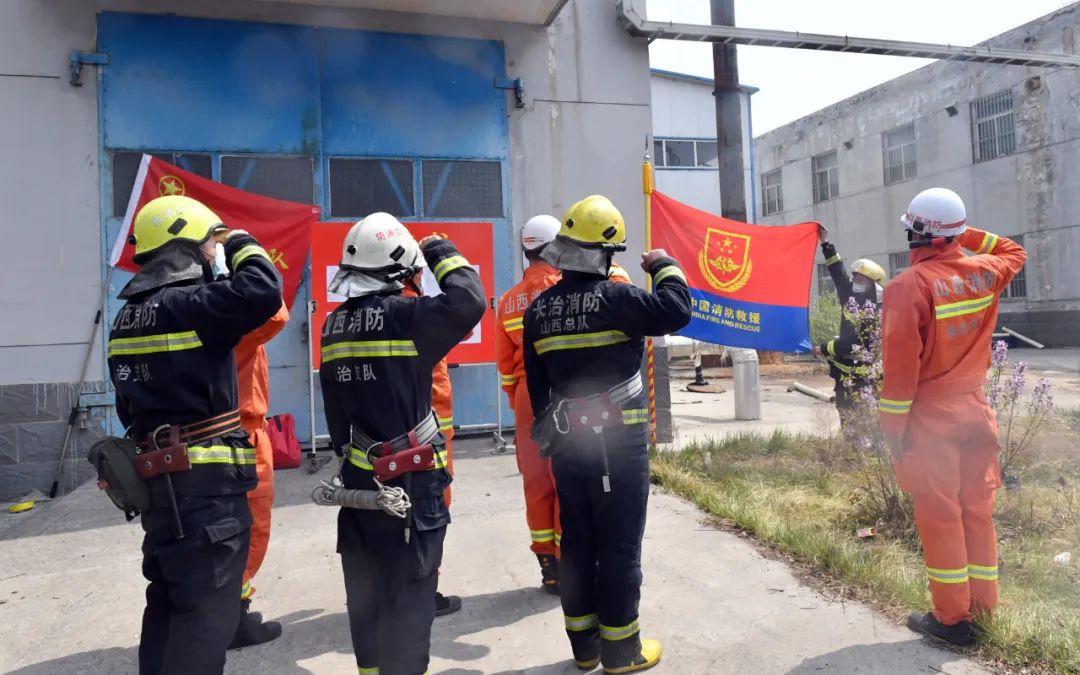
(253, 384)
(938, 318)
(442, 399)
(541, 503)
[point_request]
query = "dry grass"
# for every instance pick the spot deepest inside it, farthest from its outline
(783, 490)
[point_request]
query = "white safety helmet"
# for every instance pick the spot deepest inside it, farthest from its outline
(539, 231)
(377, 254)
(937, 212)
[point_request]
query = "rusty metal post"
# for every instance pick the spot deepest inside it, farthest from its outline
(729, 126)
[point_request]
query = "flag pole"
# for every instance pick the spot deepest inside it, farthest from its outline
(647, 190)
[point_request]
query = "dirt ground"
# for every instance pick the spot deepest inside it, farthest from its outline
(698, 416)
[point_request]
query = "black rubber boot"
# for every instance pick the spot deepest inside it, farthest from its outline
(252, 630)
(549, 573)
(586, 647)
(961, 634)
(446, 604)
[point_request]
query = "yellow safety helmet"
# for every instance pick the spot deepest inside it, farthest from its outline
(870, 269)
(593, 221)
(170, 218)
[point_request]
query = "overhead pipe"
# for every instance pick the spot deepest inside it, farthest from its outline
(634, 22)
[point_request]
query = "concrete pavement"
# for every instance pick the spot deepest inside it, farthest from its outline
(71, 594)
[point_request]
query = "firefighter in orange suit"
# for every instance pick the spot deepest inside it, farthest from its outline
(541, 503)
(939, 316)
(253, 382)
(442, 400)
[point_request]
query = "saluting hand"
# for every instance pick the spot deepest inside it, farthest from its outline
(428, 239)
(650, 257)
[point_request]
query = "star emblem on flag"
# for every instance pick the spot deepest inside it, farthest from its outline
(170, 185)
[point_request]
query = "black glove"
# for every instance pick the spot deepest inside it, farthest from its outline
(827, 249)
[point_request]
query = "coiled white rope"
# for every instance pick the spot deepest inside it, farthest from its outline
(393, 501)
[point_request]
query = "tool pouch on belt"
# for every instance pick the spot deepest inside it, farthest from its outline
(163, 460)
(114, 458)
(567, 418)
(545, 432)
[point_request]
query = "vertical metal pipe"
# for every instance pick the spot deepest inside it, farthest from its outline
(729, 130)
(311, 369)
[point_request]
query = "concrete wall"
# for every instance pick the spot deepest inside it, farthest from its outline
(1034, 192)
(586, 113)
(684, 107)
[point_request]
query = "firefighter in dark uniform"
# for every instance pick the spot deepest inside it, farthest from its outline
(171, 362)
(378, 351)
(864, 285)
(584, 339)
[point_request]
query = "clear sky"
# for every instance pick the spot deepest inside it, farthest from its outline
(796, 82)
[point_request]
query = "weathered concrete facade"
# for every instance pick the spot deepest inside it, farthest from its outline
(1032, 191)
(586, 111)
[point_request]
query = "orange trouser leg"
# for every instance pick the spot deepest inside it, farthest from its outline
(981, 477)
(260, 500)
(950, 471)
(449, 436)
(541, 504)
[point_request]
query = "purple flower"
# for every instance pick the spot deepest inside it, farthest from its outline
(1000, 355)
(1014, 386)
(1042, 400)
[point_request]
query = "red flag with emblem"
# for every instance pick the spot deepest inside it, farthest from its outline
(283, 228)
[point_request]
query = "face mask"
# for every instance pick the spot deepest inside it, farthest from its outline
(219, 265)
(859, 287)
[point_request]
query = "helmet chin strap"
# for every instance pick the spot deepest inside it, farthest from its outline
(403, 274)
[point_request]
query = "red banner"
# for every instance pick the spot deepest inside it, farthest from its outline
(283, 228)
(475, 242)
(749, 284)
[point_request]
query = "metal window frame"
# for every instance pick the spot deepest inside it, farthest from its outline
(829, 172)
(1017, 288)
(777, 190)
(697, 154)
(675, 139)
(898, 257)
(825, 285)
(315, 165)
(421, 196)
(110, 153)
(993, 109)
(413, 161)
(888, 145)
(660, 158)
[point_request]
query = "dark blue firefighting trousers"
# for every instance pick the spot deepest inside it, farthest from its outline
(600, 568)
(390, 584)
(193, 600)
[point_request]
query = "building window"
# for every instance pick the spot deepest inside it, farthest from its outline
(462, 189)
(898, 262)
(993, 131)
(825, 285)
(772, 192)
(125, 165)
(1017, 288)
(359, 187)
(288, 178)
(678, 153)
(707, 154)
(898, 147)
(826, 173)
